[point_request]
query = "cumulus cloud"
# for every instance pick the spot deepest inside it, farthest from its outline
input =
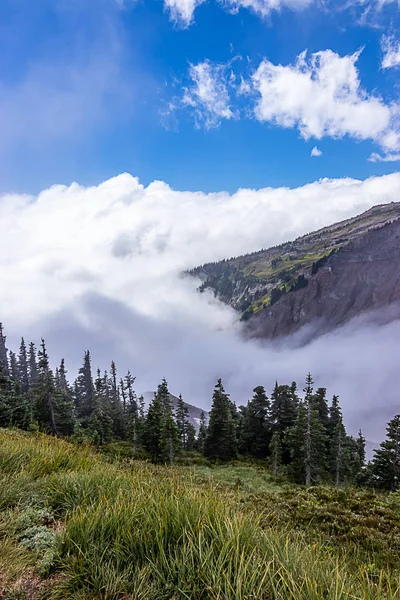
(316, 151)
(391, 52)
(208, 95)
(181, 11)
(390, 157)
(264, 7)
(321, 95)
(100, 267)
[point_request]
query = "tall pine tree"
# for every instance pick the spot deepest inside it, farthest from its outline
(386, 462)
(220, 442)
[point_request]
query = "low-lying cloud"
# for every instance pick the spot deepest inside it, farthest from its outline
(101, 268)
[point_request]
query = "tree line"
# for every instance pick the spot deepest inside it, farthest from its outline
(303, 436)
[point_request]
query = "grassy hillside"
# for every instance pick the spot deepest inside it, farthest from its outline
(255, 280)
(76, 525)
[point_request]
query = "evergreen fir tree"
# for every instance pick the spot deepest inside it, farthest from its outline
(153, 428)
(386, 462)
(256, 429)
(284, 406)
(201, 438)
(321, 406)
(276, 452)
(23, 371)
(190, 436)
(32, 362)
(131, 399)
(306, 440)
(182, 420)
(64, 402)
(84, 390)
(20, 405)
(13, 368)
(44, 390)
(5, 405)
(116, 406)
(339, 455)
(170, 443)
(360, 441)
(3, 352)
(220, 442)
(100, 424)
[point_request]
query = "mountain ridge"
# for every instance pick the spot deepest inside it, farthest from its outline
(329, 276)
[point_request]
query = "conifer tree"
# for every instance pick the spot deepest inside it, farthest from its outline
(201, 438)
(307, 441)
(284, 406)
(3, 352)
(153, 428)
(5, 406)
(116, 406)
(23, 372)
(190, 436)
(321, 406)
(256, 429)
(20, 406)
(32, 362)
(276, 452)
(44, 390)
(131, 399)
(220, 442)
(64, 402)
(360, 441)
(170, 443)
(84, 390)
(386, 462)
(13, 368)
(100, 421)
(339, 456)
(182, 420)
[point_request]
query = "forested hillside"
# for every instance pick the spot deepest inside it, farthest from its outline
(301, 435)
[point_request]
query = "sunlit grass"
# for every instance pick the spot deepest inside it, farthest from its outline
(135, 531)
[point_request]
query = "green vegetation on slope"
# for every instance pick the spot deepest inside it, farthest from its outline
(250, 282)
(73, 525)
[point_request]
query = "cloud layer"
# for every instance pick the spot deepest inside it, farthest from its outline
(100, 267)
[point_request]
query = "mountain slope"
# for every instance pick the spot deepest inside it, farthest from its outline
(326, 277)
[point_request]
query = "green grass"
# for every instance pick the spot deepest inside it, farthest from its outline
(81, 527)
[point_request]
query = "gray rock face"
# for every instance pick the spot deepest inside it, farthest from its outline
(362, 276)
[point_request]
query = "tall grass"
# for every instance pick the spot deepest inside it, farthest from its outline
(142, 532)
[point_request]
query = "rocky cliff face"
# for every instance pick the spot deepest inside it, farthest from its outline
(362, 276)
(324, 278)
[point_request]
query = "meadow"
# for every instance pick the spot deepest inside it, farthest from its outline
(81, 525)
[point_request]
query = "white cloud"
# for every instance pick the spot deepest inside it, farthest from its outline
(181, 11)
(264, 7)
(321, 95)
(99, 267)
(208, 96)
(316, 151)
(391, 52)
(390, 157)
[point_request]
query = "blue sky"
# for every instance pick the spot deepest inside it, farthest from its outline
(218, 101)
